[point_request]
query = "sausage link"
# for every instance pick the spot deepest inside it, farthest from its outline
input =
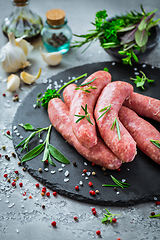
(68, 94)
(85, 131)
(144, 105)
(114, 94)
(142, 132)
(100, 154)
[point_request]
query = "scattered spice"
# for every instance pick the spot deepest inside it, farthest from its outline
(13, 184)
(94, 212)
(90, 184)
(21, 184)
(47, 194)
(16, 172)
(37, 185)
(7, 157)
(9, 180)
(93, 173)
(118, 170)
(157, 202)
(76, 188)
(5, 175)
(13, 154)
(42, 193)
(46, 161)
(93, 164)
(4, 147)
(76, 218)
(40, 170)
(24, 194)
(152, 213)
(4, 95)
(98, 232)
(75, 164)
(19, 163)
(30, 197)
(24, 169)
(84, 170)
(97, 191)
(43, 206)
(54, 193)
(53, 224)
(114, 220)
(92, 192)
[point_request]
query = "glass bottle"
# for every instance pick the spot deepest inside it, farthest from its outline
(22, 21)
(56, 34)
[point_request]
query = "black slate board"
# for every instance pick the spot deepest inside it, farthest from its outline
(142, 174)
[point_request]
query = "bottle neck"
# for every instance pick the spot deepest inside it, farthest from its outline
(57, 26)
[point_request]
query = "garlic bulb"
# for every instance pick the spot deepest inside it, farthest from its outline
(13, 83)
(12, 56)
(28, 78)
(53, 59)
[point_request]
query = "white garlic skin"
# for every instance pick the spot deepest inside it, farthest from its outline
(13, 83)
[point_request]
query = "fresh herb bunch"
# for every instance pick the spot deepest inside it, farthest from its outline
(52, 93)
(128, 32)
(48, 149)
(140, 81)
(109, 217)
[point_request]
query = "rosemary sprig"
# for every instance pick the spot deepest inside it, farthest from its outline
(117, 127)
(48, 149)
(154, 216)
(87, 116)
(104, 110)
(155, 142)
(140, 81)
(109, 217)
(38, 99)
(52, 93)
(7, 135)
(117, 182)
(86, 84)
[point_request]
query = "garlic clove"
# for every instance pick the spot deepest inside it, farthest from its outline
(28, 78)
(13, 83)
(52, 59)
(24, 45)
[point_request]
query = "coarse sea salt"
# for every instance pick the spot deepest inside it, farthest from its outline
(66, 179)
(53, 172)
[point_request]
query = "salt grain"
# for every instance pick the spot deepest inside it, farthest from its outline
(66, 173)
(53, 172)
(46, 169)
(60, 169)
(66, 179)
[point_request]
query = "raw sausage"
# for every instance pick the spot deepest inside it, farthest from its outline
(84, 130)
(142, 132)
(114, 94)
(144, 105)
(100, 154)
(68, 94)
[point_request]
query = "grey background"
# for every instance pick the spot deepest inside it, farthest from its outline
(24, 218)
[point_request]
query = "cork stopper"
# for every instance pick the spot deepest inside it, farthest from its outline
(55, 17)
(20, 2)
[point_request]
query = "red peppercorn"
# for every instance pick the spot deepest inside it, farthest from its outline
(92, 192)
(94, 212)
(47, 194)
(8, 132)
(90, 184)
(118, 170)
(118, 238)
(46, 161)
(114, 220)
(98, 232)
(84, 170)
(5, 175)
(157, 202)
(43, 190)
(0, 155)
(53, 223)
(24, 194)
(54, 193)
(93, 164)
(37, 185)
(21, 184)
(77, 188)
(16, 172)
(75, 218)
(93, 209)
(43, 206)
(13, 184)
(4, 94)
(16, 95)
(152, 213)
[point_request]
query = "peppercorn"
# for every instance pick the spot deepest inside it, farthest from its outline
(53, 224)
(98, 232)
(43, 190)
(8, 132)
(4, 94)
(94, 212)
(19, 163)
(115, 189)
(93, 209)
(76, 188)
(7, 157)
(43, 206)
(118, 170)
(37, 185)
(103, 168)
(21, 184)
(8, 180)
(152, 213)
(75, 164)
(90, 184)
(92, 192)
(13, 184)
(5, 175)
(0, 155)
(42, 193)
(84, 170)
(157, 202)
(97, 191)
(93, 164)
(46, 161)
(4, 147)
(54, 193)
(40, 169)
(93, 173)
(76, 218)
(13, 154)
(114, 220)
(24, 169)
(47, 194)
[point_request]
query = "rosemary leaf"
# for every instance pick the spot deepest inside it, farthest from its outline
(106, 109)
(155, 142)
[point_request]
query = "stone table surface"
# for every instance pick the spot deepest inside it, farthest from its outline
(24, 218)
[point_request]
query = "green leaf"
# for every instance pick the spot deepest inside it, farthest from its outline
(33, 153)
(155, 142)
(143, 24)
(27, 127)
(57, 154)
(104, 110)
(50, 161)
(141, 37)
